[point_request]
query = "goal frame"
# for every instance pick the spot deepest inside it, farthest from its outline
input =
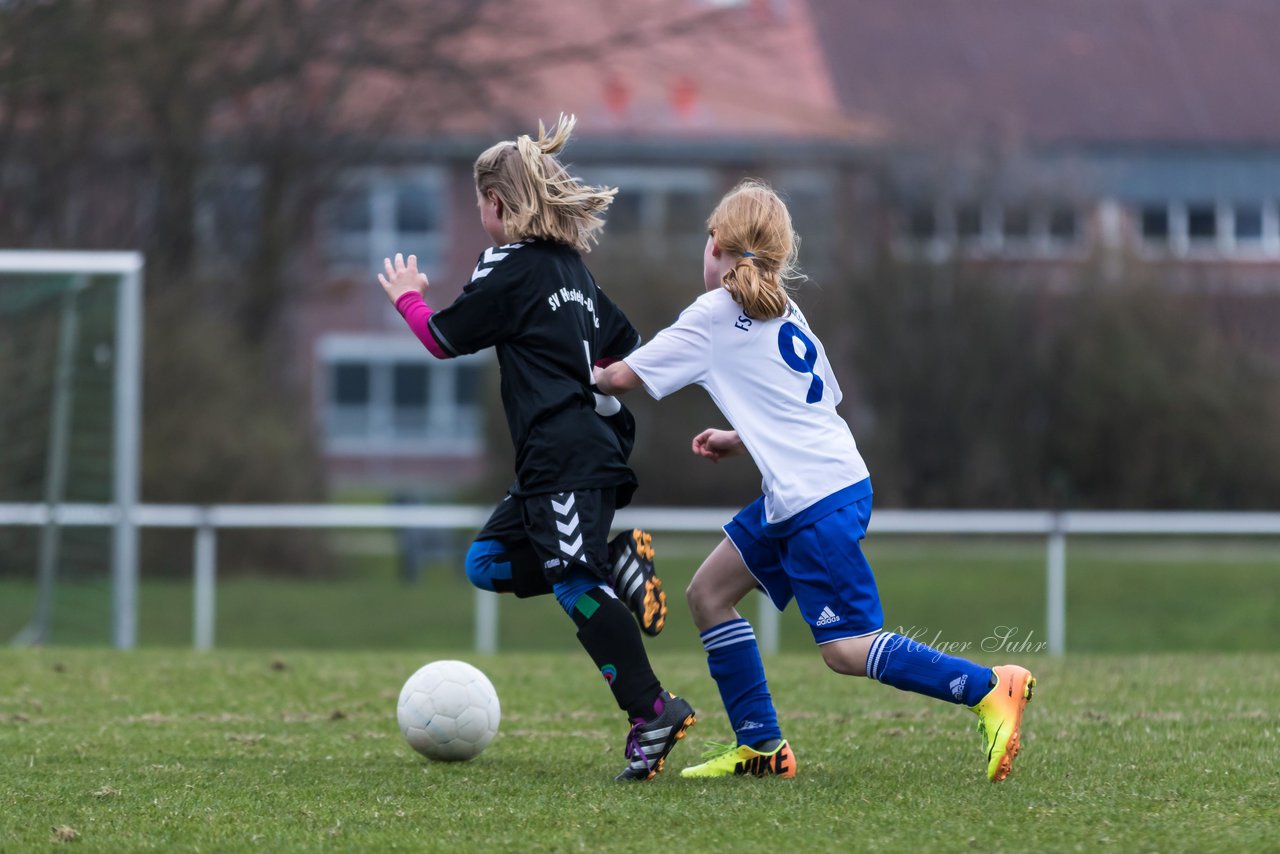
(126, 420)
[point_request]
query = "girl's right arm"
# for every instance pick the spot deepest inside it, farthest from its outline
(402, 278)
(405, 286)
(615, 379)
(715, 445)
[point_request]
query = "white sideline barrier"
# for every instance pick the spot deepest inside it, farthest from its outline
(1054, 526)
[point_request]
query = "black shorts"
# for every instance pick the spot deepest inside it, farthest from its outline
(565, 530)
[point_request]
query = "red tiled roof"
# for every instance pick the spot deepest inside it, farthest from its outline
(646, 68)
(1198, 71)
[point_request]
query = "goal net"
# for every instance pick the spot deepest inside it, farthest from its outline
(70, 357)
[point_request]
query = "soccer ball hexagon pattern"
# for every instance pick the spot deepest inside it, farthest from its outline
(448, 711)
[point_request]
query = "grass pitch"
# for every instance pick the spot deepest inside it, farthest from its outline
(164, 749)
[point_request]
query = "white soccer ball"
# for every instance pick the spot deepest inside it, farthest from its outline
(449, 711)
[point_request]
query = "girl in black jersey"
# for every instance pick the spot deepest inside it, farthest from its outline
(533, 299)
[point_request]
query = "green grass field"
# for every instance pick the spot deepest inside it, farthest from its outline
(178, 751)
(1160, 731)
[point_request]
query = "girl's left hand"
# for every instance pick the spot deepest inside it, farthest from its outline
(402, 278)
(715, 445)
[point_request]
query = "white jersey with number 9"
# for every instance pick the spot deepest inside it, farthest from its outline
(772, 381)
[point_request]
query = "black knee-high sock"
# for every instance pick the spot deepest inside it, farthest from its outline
(609, 634)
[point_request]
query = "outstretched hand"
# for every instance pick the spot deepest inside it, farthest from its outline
(401, 278)
(715, 445)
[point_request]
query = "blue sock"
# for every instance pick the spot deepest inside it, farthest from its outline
(487, 566)
(570, 588)
(734, 661)
(912, 666)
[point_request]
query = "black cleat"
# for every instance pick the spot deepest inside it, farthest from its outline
(651, 740)
(633, 578)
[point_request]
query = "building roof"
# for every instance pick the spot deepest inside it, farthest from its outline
(667, 69)
(1058, 71)
(664, 69)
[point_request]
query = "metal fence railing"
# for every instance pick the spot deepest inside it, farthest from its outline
(206, 521)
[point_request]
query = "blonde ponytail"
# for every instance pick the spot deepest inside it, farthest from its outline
(539, 197)
(753, 222)
(760, 295)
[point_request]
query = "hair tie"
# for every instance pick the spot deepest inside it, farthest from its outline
(748, 254)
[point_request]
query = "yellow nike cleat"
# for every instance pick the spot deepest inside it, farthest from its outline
(727, 760)
(1000, 718)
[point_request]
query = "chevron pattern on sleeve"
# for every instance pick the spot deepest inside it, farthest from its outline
(490, 259)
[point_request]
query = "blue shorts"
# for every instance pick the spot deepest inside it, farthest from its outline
(817, 559)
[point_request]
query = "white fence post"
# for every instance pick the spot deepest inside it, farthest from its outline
(1055, 582)
(486, 618)
(127, 453)
(767, 623)
(205, 592)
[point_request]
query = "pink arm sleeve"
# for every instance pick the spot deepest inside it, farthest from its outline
(416, 313)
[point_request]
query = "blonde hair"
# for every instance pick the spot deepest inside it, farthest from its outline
(753, 223)
(539, 197)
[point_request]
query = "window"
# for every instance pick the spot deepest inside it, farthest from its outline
(469, 383)
(1212, 229)
(384, 396)
(229, 215)
(656, 204)
(1248, 224)
(687, 213)
(1017, 224)
(624, 214)
(417, 209)
(375, 213)
(1202, 224)
(1062, 225)
(1013, 229)
(350, 383)
(352, 211)
(922, 224)
(349, 394)
(812, 196)
(969, 224)
(410, 394)
(410, 385)
(1155, 224)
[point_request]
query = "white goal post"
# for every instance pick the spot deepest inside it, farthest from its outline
(126, 355)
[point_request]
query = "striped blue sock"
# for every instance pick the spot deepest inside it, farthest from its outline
(734, 661)
(899, 661)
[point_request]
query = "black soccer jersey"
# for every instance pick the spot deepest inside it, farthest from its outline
(539, 306)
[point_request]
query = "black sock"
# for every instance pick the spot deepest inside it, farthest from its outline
(609, 634)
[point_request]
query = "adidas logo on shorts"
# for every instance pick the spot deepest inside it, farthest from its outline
(827, 617)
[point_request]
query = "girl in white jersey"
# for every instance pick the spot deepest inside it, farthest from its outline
(750, 347)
